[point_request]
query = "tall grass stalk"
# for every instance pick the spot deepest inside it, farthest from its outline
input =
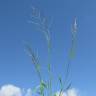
(43, 26)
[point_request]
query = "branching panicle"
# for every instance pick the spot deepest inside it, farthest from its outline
(41, 22)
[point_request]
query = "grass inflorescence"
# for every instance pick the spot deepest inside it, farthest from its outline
(47, 85)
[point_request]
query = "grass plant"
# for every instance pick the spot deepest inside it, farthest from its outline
(42, 24)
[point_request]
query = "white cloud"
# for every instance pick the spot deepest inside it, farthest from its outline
(70, 92)
(61, 94)
(10, 90)
(29, 92)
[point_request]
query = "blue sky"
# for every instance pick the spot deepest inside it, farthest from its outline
(15, 65)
